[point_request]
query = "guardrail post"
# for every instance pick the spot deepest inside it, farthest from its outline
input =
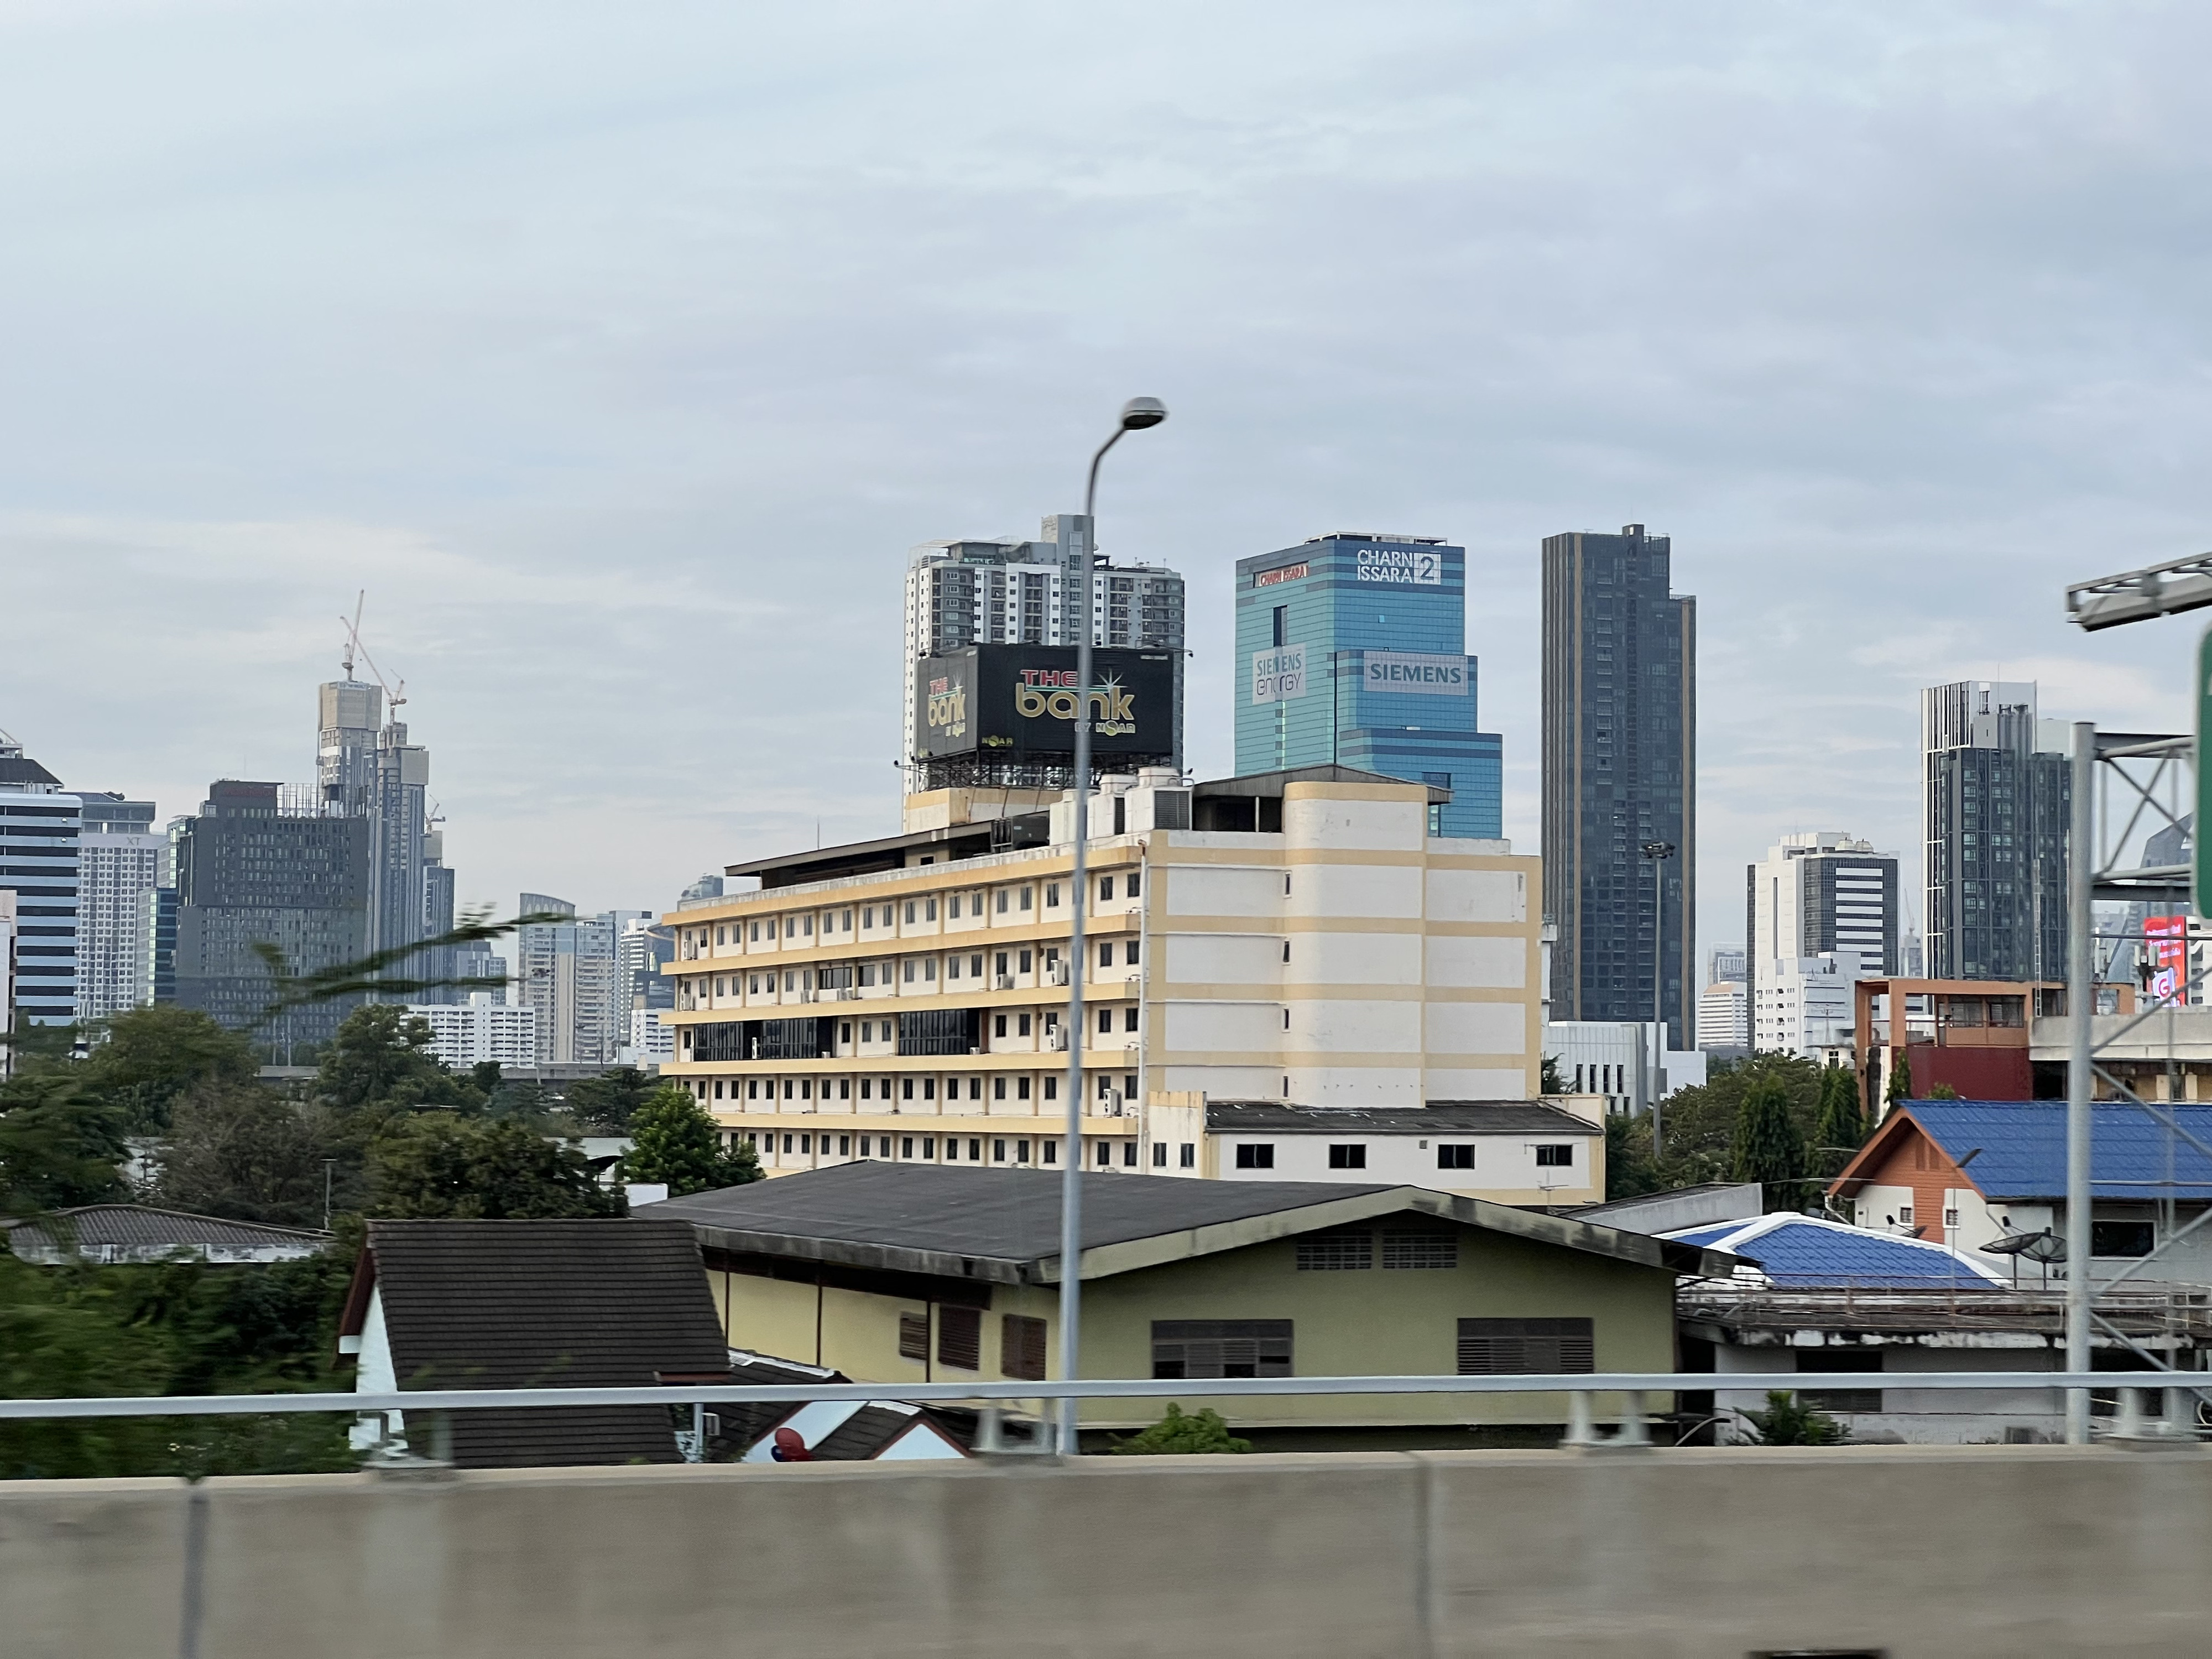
(1582, 1427)
(1634, 1430)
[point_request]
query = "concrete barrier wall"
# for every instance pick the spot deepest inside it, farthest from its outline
(1920, 1551)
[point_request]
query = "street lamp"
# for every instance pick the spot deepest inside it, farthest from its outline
(1658, 852)
(1137, 415)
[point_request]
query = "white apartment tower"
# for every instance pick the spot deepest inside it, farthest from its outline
(120, 861)
(568, 971)
(1016, 593)
(39, 826)
(1818, 894)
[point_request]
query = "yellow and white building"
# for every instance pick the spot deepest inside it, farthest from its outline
(1295, 937)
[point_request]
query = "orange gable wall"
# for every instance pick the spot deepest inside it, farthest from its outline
(1911, 1159)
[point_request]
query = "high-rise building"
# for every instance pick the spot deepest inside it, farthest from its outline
(366, 768)
(1029, 592)
(707, 886)
(1724, 1016)
(1996, 791)
(1821, 894)
(568, 970)
(472, 1033)
(1620, 752)
(120, 860)
(346, 746)
(252, 872)
(1724, 963)
(39, 828)
(1352, 651)
(1802, 1005)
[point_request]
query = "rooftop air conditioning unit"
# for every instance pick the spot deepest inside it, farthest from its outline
(1056, 1041)
(1059, 973)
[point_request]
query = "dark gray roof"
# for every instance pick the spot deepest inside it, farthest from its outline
(1002, 1226)
(140, 1225)
(1438, 1117)
(21, 771)
(499, 1304)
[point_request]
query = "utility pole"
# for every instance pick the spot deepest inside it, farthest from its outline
(1658, 852)
(2081, 1010)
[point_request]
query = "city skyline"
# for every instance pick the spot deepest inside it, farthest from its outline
(569, 404)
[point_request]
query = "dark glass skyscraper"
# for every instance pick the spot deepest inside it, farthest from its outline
(1997, 796)
(250, 873)
(1620, 767)
(1352, 651)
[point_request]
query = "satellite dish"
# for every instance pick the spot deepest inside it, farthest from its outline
(2046, 1246)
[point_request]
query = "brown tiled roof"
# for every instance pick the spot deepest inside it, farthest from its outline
(513, 1304)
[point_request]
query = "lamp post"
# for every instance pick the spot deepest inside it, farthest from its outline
(1658, 852)
(1137, 414)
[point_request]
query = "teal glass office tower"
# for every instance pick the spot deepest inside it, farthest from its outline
(1351, 649)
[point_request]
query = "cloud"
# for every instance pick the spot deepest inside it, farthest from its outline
(621, 353)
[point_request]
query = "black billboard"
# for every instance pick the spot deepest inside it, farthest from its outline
(1018, 704)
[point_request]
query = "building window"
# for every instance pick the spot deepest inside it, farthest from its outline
(1106, 953)
(1510, 1347)
(1052, 1152)
(1841, 1359)
(1105, 1155)
(975, 1149)
(845, 1146)
(1052, 1088)
(1001, 906)
(929, 910)
(1026, 898)
(1187, 1158)
(960, 1338)
(909, 910)
(997, 1088)
(1456, 1158)
(1405, 1250)
(929, 1146)
(1252, 1157)
(1128, 1154)
(1052, 895)
(1025, 967)
(1555, 1157)
(1905, 1217)
(1950, 1218)
(1021, 1348)
(2119, 1237)
(1105, 889)
(913, 1336)
(1021, 1151)
(1105, 1021)
(1221, 1347)
(1129, 953)
(1159, 1155)
(1134, 891)
(1335, 1252)
(907, 970)
(1348, 1156)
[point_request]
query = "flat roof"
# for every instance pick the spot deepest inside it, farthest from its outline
(1271, 784)
(1002, 1226)
(854, 857)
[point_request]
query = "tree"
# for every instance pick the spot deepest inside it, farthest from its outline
(1942, 1091)
(1900, 1076)
(60, 1143)
(439, 1164)
(1630, 1171)
(1177, 1435)
(239, 1150)
(608, 1103)
(678, 1143)
(1768, 1146)
(1840, 1128)
(149, 1056)
(1699, 1124)
(1553, 1081)
(381, 1057)
(1787, 1421)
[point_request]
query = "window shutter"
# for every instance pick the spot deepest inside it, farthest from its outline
(960, 1338)
(1510, 1347)
(1021, 1348)
(913, 1336)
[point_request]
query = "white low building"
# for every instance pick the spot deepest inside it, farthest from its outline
(1625, 1061)
(1509, 1152)
(465, 1034)
(1802, 1005)
(651, 1038)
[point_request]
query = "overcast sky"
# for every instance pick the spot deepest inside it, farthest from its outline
(620, 352)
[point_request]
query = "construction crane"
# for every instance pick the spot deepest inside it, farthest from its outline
(394, 696)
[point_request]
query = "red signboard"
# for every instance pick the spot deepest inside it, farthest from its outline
(1289, 572)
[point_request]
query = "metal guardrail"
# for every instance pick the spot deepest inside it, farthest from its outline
(677, 1394)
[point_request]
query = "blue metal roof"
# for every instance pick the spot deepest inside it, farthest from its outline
(2023, 1147)
(1807, 1252)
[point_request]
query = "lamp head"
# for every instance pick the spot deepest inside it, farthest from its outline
(1140, 412)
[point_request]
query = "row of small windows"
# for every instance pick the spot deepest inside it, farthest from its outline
(1003, 901)
(1185, 1348)
(907, 1088)
(1352, 1155)
(1016, 1150)
(913, 970)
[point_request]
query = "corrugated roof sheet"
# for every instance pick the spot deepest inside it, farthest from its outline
(142, 1225)
(2022, 1145)
(1000, 1215)
(1809, 1252)
(496, 1305)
